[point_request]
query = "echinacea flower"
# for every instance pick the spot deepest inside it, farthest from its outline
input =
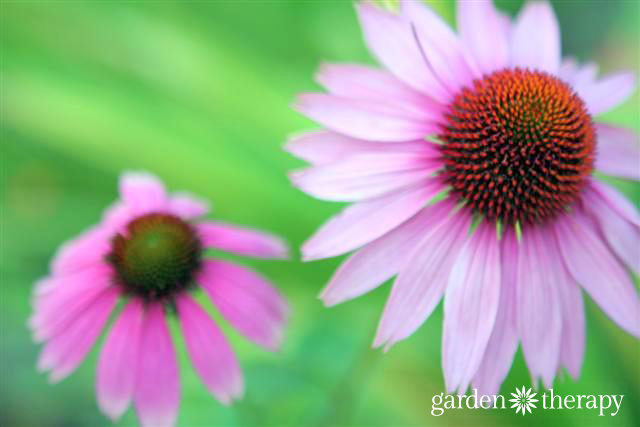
(469, 161)
(148, 251)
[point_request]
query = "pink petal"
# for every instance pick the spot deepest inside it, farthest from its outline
(503, 343)
(187, 206)
(470, 305)
(539, 317)
(596, 269)
(585, 75)
(578, 76)
(116, 375)
(366, 83)
(535, 42)
(572, 342)
(247, 301)
(365, 221)
(616, 200)
(43, 287)
(142, 192)
(322, 147)
(571, 308)
(439, 46)
(63, 352)
(364, 176)
(422, 280)
(63, 299)
(600, 95)
(573, 332)
(241, 241)
(482, 31)
(116, 217)
(608, 92)
(622, 235)
(157, 388)
(506, 26)
(381, 259)
(390, 38)
(371, 120)
(568, 69)
(210, 352)
(86, 250)
(618, 152)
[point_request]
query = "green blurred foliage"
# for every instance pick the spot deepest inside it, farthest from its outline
(199, 93)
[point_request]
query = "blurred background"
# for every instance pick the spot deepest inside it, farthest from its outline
(199, 93)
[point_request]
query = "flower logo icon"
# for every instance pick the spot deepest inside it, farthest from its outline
(523, 400)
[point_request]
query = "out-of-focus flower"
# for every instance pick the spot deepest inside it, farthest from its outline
(492, 121)
(149, 250)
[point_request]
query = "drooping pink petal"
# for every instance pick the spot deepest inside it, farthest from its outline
(247, 301)
(439, 46)
(210, 352)
(366, 83)
(187, 206)
(86, 250)
(241, 241)
(482, 31)
(538, 306)
(622, 235)
(596, 269)
(62, 299)
(618, 152)
(607, 92)
(471, 302)
(365, 221)
(364, 176)
(616, 200)
(390, 38)
(535, 41)
(422, 280)
(572, 345)
(323, 147)
(64, 351)
(381, 259)
(157, 387)
(142, 192)
(371, 120)
(503, 343)
(116, 374)
(572, 342)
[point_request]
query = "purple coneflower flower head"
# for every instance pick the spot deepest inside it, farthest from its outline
(469, 162)
(149, 252)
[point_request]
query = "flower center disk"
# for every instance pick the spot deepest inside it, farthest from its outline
(518, 146)
(156, 257)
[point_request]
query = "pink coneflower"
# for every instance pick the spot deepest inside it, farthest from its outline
(148, 250)
(469, 161)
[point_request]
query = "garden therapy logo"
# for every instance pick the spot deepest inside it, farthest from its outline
(524, 400)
